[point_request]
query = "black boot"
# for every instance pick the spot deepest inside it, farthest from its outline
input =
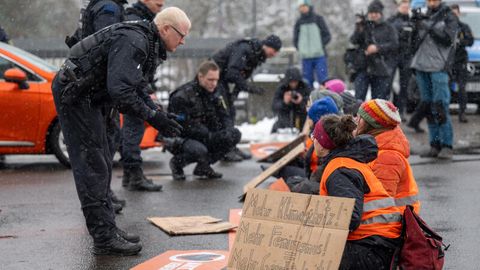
(242, 154)
(138, 183)
(117, 200)
(130, 237)
(177, 170)
(116, 246)
(232, 156)
(205, 171)
(125, 177)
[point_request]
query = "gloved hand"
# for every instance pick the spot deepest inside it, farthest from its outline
(257, 90)
(164, 123)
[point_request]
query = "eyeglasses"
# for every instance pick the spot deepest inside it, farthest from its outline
(182, 36)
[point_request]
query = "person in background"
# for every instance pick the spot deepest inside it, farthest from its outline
(459, 71)
(375, 226)
(237, 61)
(434, 37)
(209, 132)
(290, 101)
(310, 37)
(402, 23)
(377, 42)
(133, 127)
(381, 119)
(3, 36)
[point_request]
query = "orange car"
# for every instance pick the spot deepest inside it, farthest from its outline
(28, 119)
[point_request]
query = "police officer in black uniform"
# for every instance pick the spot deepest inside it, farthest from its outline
(133, 127)
(110, 67)
(237, 61)
(208, 130)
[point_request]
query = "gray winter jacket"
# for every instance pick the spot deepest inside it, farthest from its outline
(437, 35)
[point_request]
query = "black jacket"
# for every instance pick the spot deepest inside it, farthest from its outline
(3, 36)
(404, 27)
(127, 56)
(200, 112)
(139, 11)
(385, 37)
(238, 60)
(465, 39)
(103, 13)
(287, 113)
(312, 17)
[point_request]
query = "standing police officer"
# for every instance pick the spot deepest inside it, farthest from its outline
(208, 130)
(110, 67)
(133, 127)
(237, 61)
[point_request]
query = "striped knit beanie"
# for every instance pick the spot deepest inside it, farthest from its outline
(380, 113)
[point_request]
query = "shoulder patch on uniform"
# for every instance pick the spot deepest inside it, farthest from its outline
(110, 8)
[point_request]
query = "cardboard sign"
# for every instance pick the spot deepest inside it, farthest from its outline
(234, 218)
(272, 169)
(263, 150)
(275, 156)
(191, 225)
(282, 230)
(186, 260)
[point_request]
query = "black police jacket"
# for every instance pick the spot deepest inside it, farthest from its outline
(102, 13)
(120, 58)
(238, 60)
(385, 37)
(139, 11)
(465, 39)
(404, 27)
(199, 112)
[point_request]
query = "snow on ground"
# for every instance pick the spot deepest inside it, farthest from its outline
(260, 132)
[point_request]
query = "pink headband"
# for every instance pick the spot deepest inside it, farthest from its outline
(322, 137)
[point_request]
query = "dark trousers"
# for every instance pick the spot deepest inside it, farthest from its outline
(132, 135)
(380, 86)
(459, 75)
(229, 96)
(208, 151)
(400, 99)
(85, 132)
(366, 257)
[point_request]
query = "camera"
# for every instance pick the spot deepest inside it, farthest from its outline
(418, 15)
(295, 95)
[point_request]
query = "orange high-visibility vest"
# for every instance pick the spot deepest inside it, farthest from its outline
(380, 214)
(406, 190)
(314, 158)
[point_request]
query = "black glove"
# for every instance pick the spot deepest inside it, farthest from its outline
(164, 123)
(257, 90)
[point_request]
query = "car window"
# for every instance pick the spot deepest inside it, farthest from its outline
(6, 64)
(473, 20)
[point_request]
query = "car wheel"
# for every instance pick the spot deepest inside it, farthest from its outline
(58, 146)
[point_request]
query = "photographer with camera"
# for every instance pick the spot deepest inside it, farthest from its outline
(290, 101)
(376, 42)
(434, 38)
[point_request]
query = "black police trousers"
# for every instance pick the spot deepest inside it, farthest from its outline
(209, 151)
(132, 135)
(84, 128)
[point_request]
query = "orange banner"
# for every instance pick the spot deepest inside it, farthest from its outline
(187, 260)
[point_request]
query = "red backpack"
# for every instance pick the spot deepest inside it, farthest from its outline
(423, 248)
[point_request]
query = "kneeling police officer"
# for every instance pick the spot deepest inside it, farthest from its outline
(111, 67)
(208, 129)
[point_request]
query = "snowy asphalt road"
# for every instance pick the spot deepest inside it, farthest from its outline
(42, 227)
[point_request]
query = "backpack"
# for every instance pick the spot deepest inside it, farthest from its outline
(423, 249)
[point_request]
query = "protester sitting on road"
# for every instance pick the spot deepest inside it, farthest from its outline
(209, 132)
(290, 101)
(375, 226)
(301, 168)
(381, 119)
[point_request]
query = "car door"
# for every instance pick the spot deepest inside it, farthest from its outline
(19, 108)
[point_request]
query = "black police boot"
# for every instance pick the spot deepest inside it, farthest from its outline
(130, 237)
(205, 171)
(232, 156)
(138, 183)
(242, 154)
(125, 177)
(116, 246)
(177, 170)
(117, 200)
(117, 208)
